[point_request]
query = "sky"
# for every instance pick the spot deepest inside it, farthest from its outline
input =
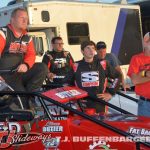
(5, 2)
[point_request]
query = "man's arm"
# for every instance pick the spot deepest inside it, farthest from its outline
(116, 64)
(2, 45)
(113, 74)
(2, 41)
(118, 68)
(111, 90)
(29, 58)
(47, 60)
(139, 78)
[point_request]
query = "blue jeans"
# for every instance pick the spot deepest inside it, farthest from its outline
(144, 108)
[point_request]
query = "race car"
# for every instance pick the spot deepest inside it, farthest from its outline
(60, 121)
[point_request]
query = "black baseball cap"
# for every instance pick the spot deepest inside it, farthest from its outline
(100, 45)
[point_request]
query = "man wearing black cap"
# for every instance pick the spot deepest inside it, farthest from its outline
(90, 76)
(110, 57)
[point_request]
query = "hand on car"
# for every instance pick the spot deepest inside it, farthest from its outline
(104, 96)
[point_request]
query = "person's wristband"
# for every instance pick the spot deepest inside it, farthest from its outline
(143, 73)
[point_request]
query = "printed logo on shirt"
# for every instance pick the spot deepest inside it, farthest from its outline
(60, 62)
(103, 63)
(145, 67)
(16, 47)
(90, 79)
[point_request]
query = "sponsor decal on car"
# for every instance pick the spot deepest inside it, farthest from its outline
(51, 143)
(100, 144)
(10, 134)
(139, 131)
(52, 127)
(69, 93)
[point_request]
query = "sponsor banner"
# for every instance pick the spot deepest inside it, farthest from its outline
(69, 93)
(52, 127)
(139, 131)
(10, 134)
(105, 138)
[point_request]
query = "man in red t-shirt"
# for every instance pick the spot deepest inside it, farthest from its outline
(139, 72)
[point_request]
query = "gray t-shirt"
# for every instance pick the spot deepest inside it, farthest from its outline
(112, 59)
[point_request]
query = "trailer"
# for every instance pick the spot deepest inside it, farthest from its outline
(118, 25)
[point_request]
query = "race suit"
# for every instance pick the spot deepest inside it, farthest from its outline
(15, 51)
(61, 64)
(91, 77)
